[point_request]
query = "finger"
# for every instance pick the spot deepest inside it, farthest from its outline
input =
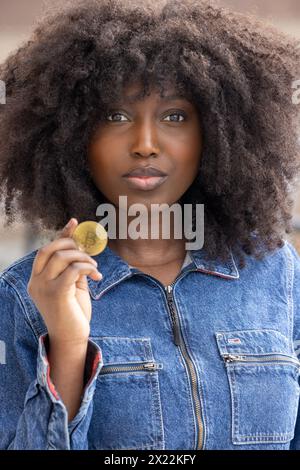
(68, 229)
(73, 273)
(82, 283)
(44, 253)
(61, 259)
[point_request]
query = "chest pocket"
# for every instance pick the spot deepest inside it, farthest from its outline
(127, 404)
(263, 378)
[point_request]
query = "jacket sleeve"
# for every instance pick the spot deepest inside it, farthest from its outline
(32, 414)
(294, 263)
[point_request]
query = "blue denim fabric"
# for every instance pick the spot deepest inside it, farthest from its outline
(211, 363)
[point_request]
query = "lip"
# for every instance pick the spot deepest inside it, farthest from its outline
(143, 171)
(145, 183)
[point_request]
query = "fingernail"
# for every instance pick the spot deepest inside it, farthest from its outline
(69, 223)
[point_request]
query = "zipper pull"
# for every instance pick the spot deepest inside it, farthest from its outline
(232, 357)
(150, 366)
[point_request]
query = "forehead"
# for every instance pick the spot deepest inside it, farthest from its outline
(134, 92)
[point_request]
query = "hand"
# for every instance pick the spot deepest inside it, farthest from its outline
(58, 287)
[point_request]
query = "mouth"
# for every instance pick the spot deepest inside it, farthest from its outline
(145, 183)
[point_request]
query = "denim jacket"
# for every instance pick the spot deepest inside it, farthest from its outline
(209, 362)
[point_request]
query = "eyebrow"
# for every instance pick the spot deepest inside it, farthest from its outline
(133, 99)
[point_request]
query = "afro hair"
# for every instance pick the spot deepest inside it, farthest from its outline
(238, 71)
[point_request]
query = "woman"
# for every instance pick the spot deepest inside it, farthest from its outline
(150, 345)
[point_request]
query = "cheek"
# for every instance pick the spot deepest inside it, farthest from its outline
(195, 159)
(188, 151)
(100, 164)
(188, 166)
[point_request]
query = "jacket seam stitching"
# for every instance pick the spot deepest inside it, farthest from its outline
(25, 315)
(290, 281)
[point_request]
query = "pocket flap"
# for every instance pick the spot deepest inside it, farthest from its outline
(260, 341)
(121, 350)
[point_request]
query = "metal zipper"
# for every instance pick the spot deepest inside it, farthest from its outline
(173, 312)
(123, 368)
(173, 315)
(261, 358)
(179, 342)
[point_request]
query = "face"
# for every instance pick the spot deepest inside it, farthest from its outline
(163, 133)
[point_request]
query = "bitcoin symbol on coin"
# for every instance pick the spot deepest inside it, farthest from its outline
(90, 240)
(90, 237)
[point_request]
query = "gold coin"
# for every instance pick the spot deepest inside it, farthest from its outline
(90, 237)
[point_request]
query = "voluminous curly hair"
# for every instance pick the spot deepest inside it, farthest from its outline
(238, 71)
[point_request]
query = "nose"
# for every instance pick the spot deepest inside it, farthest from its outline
(145, 140)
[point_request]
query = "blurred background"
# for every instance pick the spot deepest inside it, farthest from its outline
(18, 19)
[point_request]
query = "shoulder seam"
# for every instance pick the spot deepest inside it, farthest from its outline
(16, 263)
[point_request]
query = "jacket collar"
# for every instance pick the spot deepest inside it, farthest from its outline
(115, 269)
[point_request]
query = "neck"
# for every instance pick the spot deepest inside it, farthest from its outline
(150, 252)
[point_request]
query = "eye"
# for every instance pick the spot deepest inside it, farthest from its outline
(118, 113)
(114, 114)
(177, 114)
